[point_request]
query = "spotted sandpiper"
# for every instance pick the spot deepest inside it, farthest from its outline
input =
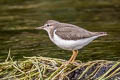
(69, 37)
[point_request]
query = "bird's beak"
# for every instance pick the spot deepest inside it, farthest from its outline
(40, 27)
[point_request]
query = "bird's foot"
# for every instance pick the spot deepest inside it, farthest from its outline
(65, 64)
(72, 63)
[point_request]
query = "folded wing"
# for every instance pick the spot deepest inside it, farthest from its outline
(72, 32)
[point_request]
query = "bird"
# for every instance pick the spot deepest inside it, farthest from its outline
(69, 37)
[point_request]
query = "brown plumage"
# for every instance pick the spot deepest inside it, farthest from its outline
(72, 32)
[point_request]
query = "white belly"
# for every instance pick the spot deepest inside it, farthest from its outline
(71, 44)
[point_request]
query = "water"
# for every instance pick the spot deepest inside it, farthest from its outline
(18, 18)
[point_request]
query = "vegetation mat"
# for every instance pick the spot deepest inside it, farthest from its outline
(44, 68)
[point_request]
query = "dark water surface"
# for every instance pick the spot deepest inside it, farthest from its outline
(18, 18)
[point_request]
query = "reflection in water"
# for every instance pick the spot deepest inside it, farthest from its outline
(19, 18)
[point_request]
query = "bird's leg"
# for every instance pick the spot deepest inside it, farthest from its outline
(75, 53)
(73, 57)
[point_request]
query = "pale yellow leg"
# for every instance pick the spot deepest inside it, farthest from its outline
(71, 60)
(73, 57)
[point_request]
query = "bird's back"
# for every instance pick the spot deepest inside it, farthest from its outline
(73, 32)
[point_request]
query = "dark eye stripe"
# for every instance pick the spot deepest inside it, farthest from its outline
(48, 25)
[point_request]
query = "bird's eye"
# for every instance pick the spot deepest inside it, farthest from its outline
(48, 25)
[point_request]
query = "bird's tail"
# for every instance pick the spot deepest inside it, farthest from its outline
(101, 33)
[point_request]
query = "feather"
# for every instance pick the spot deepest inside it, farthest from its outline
(72, 32)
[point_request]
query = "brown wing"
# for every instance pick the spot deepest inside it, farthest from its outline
(72, 32)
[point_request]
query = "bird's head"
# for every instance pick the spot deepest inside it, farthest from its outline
(50, 24)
